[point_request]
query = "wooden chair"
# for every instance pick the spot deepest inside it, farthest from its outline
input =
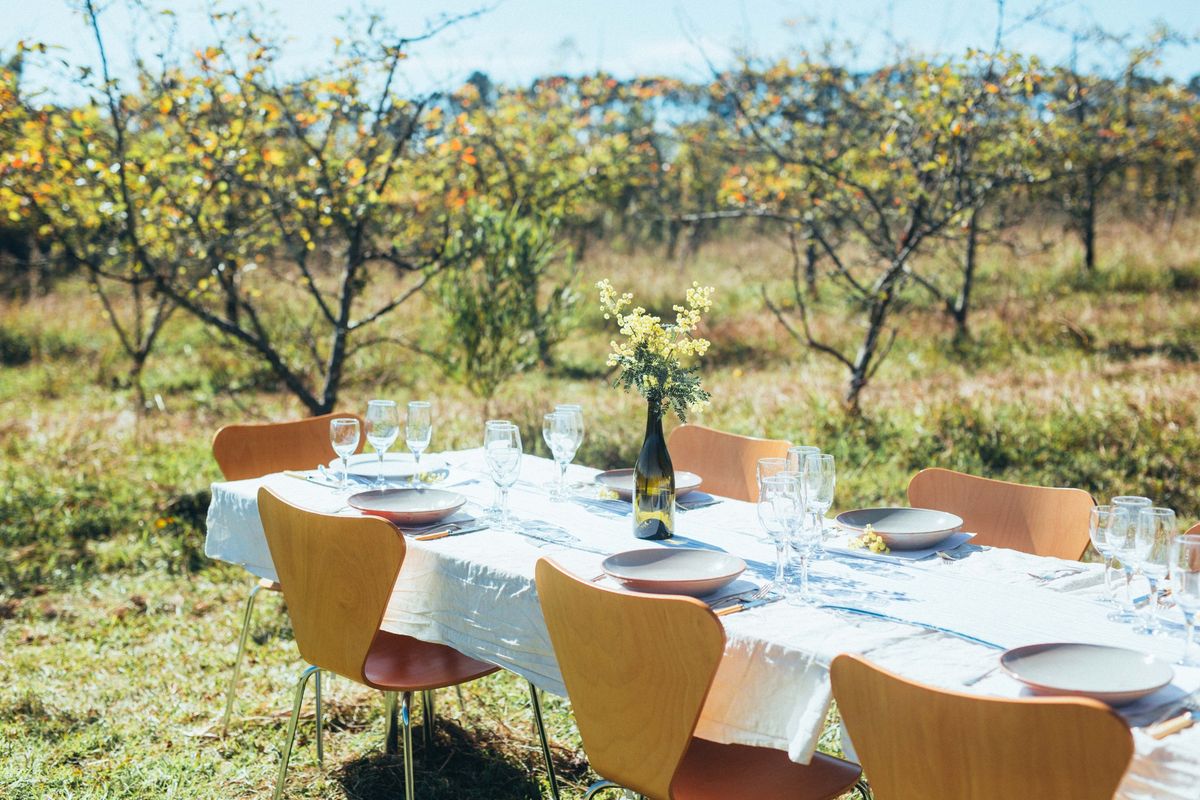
(917, 743)
(337, 575)
(637, 670)
(727, 462)
(1194, 529)
(257, 449)
(1040, 520)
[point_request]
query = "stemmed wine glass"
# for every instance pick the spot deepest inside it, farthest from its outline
(780, 509)
(383, 426)
(820, 478)
(344, 435)
(1100, 526)
(769, 467)
(1185, 590)
(502, 450)
(1156, 535)
(575, 410)
(418, 431)
(561, 430)
(796, 455)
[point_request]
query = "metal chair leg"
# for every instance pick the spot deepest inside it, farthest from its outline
(427, 717)
(291, 731)
(863, 789)
(536, 703)
(406, 721)
(320, 722)
(391, 739)
(237, 661)
(600, 786)
(462, 705)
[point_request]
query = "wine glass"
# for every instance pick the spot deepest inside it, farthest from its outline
(418, 431)
(1100, 524)
(820, 478)
(344, 435)
(1185, 590)
(383, 426)
(502, 450)
(560, 429)
(796, 455)
(1156, 532)
(576, 411)
(769, 467)
(780, 508)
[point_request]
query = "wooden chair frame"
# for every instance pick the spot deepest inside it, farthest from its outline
(1041, 520)
(728, 462)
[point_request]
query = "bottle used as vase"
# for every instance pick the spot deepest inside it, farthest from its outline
(654, 483)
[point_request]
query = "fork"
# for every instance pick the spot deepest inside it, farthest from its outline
(742, 597)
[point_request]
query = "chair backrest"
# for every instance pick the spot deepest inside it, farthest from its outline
(1194, 529)
(251, 450)
(637, 670)
(337, 575)
(1041, 520)
(917, 743)
(727, 462)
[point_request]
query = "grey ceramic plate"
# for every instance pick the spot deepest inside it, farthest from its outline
(670, 570)
(903, 528)
(621, 482)
(408, 506)
(395, 465)
(1112, 675)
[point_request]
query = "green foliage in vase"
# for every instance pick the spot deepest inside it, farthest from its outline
(653, 358)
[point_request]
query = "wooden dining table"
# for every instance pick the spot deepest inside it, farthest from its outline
(942, 621)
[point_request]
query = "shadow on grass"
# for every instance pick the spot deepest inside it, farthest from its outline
(460, 764)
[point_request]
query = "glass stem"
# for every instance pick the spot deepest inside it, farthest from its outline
(1129, 588)
(562, 477)
(1108, 561)
(503, 506)
(804, 574)
(1152, 603)
(1189, 630)
(379, 484)
(780, 564)
(345, 473)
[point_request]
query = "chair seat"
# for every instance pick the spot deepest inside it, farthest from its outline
(403, 664)
(712, 771)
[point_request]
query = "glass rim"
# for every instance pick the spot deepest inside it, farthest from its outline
(568, 407)
(1187, 538)
(1131, 500)
(1108, 508)
(339, 421)
(499, 423)
(380, 403)
(1157, 511)
(772, 460)
(419, 404)
(781, 478)
(807, 449)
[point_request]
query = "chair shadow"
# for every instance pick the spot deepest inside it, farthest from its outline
(460, 764)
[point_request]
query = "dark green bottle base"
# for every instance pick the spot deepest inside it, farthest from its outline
(652, 529)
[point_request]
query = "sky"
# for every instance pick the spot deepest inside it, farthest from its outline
(516, 40)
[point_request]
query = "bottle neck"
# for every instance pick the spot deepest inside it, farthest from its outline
(653, 420)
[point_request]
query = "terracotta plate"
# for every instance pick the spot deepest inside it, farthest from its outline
(674, 570)
(904, 528)
(621, 482)
(1113, 675)
(408, 506)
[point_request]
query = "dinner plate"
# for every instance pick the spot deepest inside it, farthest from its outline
(904, 528)
(395, 465)
(1113, 675)
(621, 482)
(674, 570)
(408, 506)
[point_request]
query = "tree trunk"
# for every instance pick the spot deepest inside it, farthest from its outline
(962, 304)
(1088, 225)
(810, 266)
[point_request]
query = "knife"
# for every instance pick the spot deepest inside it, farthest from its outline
(733, 609)
(429, 537)
(304, 476)
(1174, 725)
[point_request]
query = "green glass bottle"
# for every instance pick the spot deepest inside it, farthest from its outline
(654, 482)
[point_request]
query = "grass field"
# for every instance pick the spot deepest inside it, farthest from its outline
(116, 633)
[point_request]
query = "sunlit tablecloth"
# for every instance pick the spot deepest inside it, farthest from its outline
(475, 592)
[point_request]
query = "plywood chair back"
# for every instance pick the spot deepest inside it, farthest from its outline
(916, 742)
(1194, 529)
(251, 450)
(727, 462)
(637, 670)
(1041, 520)
(337, 575)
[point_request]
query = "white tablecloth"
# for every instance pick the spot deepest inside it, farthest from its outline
(475, 592)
